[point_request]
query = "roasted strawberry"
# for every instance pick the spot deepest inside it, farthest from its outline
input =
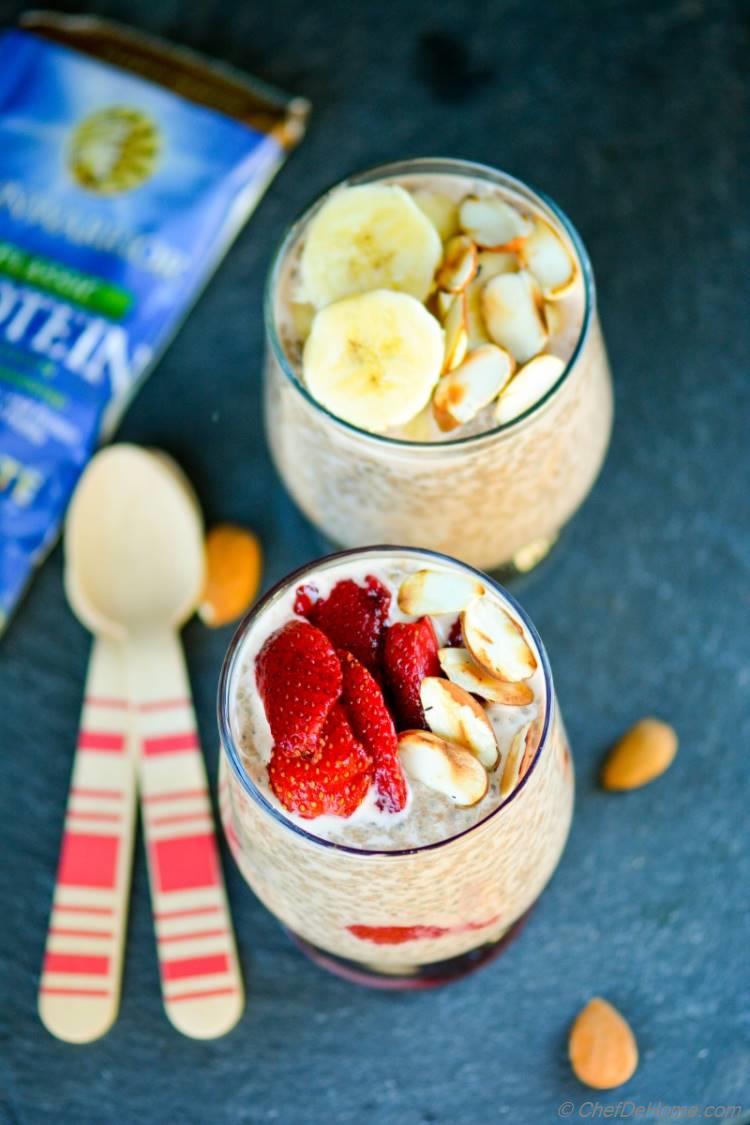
(335, 783)
(372, 723)
(410, 654)
(352, 617)
(299, 679)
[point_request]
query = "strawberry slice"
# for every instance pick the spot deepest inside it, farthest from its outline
(352, 617)
(299, 679)
(409, 655)
(372, 723)
(335, 783)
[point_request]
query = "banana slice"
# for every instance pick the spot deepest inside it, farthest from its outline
(440, 209)
(374, 359)
(373, 236)
(513, 311)
(530, 383)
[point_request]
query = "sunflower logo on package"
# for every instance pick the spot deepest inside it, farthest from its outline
(114, 150)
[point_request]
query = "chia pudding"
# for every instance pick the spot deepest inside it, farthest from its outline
(483, 430)
(451, 820)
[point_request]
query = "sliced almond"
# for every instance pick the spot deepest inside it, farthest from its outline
(533, 734)
(461, 668)
(443, 766)
(471, 386)
(438, 591)
(602, 1048)
(454, 715)
(440, 209)
(443, 302)
(491, 222)
(490, 263)
(641, 755)
(456, 336)
(546, 257)
(554, 318)
(475, 326)
(496, 641)
(233, 573)
(459, 264)
(512, 766)
(528, 386)
(513, 312)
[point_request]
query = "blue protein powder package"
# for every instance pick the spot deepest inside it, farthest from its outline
(119, 196)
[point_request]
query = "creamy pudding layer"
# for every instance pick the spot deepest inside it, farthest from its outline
(428, 817)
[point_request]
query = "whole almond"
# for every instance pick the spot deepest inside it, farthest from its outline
(233, 573)
(641, 755)
(602, 1048)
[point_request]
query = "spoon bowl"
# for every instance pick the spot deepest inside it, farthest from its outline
(134, 544)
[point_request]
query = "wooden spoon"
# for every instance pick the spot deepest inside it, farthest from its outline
(134, 573)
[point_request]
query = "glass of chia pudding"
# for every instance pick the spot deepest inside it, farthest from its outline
(395, 784)
(435, 370)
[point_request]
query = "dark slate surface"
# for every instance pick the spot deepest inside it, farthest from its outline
(635, 117)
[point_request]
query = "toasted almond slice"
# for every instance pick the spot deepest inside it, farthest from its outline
(546, 257)
(438, 591)
(454, 715)
(456, 337)
(496, 641)
(491, 222)
(443, 766)
(461, 668)
(443, 303)
(475, 326)
(530, 384)
(513, 312)
(459, 264)
(465, 390)
(602, 1048)
(440, 209)
(490, 263)
(554, 318)
(641, 755)
(512, 766)
(533, 734)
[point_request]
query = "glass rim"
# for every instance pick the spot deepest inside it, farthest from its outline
(415, 166)
(230, 665)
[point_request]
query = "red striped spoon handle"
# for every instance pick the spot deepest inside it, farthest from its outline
(200, 977)
(79, 991)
